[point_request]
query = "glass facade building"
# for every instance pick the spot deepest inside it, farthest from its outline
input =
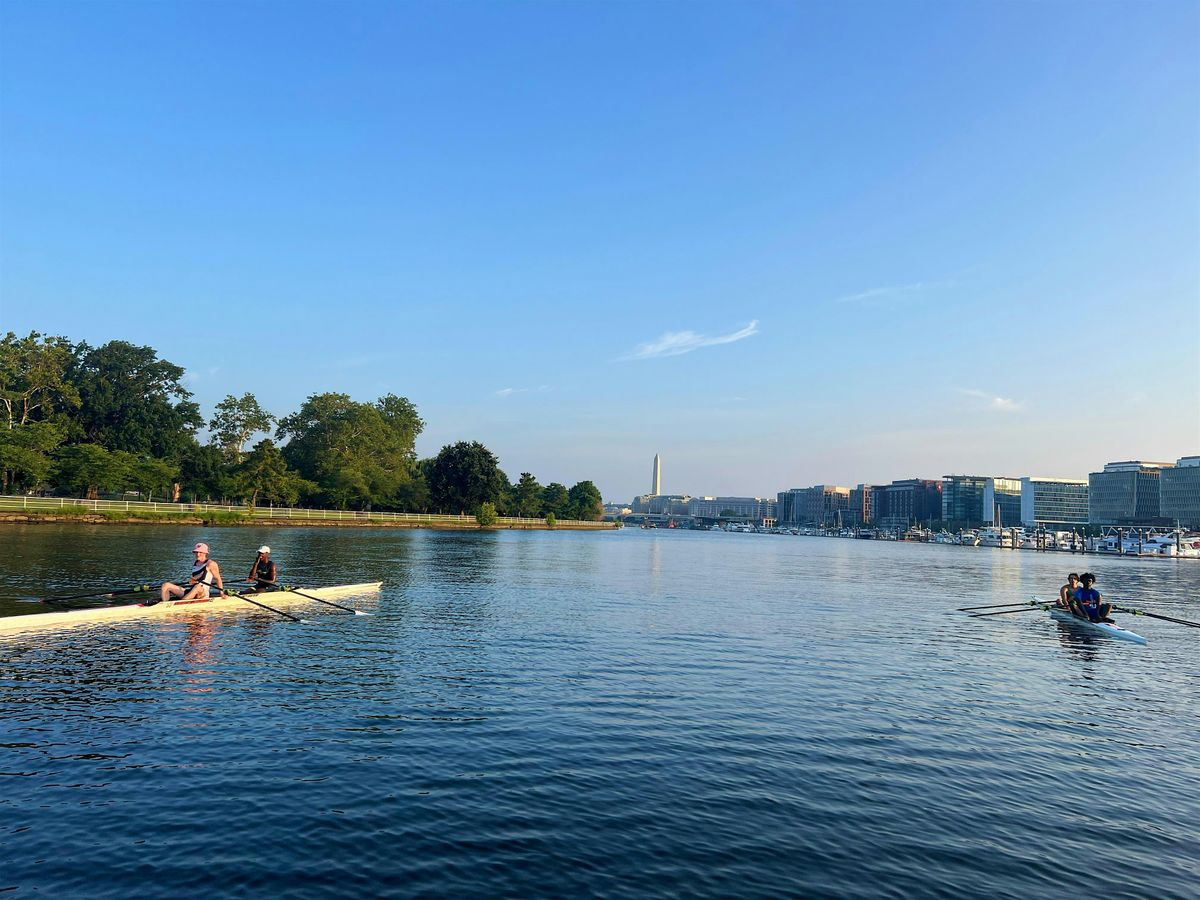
(1179, 492)
(1125, 493)
(1058, 502)
(962, 499)
(1002, 502)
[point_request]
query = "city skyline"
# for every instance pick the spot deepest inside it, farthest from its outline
(781, 244)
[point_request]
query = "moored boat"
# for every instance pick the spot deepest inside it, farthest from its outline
(68, 618)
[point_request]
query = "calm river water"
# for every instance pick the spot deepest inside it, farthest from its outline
(650, 714)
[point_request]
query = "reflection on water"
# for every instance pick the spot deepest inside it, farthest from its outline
(638, 713)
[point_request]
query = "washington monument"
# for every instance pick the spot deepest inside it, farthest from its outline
(656, 490)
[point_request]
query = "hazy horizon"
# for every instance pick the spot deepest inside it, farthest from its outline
(781, 244)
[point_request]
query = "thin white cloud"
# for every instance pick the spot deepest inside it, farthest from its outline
(896, 293)
(995, 403)
(677, 343)
(509, 391)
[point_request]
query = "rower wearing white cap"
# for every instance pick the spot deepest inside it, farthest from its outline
(262, 573)
(205, 573)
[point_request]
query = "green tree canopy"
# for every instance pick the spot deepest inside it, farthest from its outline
(555, 499)
(264, 476)
(87, 469)
(527, 497)
(34, 382)
(586, 502)
(202, 472)
(133, 401)
(463, 476)
(25, 460)
(359, 454)
(236, 419)
(146, 475)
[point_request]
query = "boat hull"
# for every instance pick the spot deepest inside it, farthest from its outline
(1113, 631)
(70, 618)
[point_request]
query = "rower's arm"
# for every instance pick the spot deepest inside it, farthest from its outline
(216, 573)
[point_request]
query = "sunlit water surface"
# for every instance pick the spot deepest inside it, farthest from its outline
(618, 714)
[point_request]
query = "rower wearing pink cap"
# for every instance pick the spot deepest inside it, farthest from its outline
(205, 573)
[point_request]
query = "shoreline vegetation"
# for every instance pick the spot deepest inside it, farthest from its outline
(78, 421)
(231, 519)
(30, 510)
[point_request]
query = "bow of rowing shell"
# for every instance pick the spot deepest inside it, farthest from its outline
(71, 617)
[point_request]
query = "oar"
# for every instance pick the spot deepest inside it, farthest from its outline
(993, 606)
(357, 612)
(104, 594)
(1032, 606)
(279, 612)
(1142, 612)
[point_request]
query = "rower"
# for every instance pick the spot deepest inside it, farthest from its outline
(263, 572)
(1087, 601)
(205, 573)
(1067, 592)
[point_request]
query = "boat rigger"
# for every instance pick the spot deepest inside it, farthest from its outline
(290, 596)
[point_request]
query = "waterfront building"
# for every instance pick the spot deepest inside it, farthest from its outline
(878, 503)
(1002, 502)
(661, 504)
(910, 500)
(1179, 492)
(749, 509)
(859, 510)
(963, 501)
(1125, 493)
(822, 504)
(1055, 502)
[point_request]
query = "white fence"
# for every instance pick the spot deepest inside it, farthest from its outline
(10, 503)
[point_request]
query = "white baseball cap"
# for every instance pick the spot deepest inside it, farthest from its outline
(264, 549)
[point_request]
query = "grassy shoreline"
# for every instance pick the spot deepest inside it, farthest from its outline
(228, 518)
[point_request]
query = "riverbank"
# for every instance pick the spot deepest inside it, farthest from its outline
(317, 519)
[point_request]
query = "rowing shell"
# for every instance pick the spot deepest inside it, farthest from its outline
(71, 617)
(1115, 631)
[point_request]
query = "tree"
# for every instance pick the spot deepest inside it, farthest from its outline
(25, 450)
(264, 474)
(145, 474)
(463, 476)
(486, 517)
(236, 419)
(359, 454)
(133, 401)
(586, 502)
(87, 469)
(202, 472)
(551, 520)
(555, 499)
(527, 497)
(34, 381)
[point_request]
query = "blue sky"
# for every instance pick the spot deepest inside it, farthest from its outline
(779, 243)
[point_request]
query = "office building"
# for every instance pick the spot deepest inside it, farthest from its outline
(963, 500)
(1125, 493)
(747, 509)
(821, 504)
(1179, 492)
(1002, 502)
(909, 501)
(1054, 502)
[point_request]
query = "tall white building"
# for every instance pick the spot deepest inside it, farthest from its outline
(656, 488)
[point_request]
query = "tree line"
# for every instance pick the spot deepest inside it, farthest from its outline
(114, 419)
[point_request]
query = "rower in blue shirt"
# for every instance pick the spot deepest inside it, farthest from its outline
(1087, 601)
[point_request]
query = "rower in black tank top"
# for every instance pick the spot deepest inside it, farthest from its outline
(263, 573)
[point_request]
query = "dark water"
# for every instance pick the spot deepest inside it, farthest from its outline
(625, 714)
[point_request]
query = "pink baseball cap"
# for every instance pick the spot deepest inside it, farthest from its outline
(201, 548)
